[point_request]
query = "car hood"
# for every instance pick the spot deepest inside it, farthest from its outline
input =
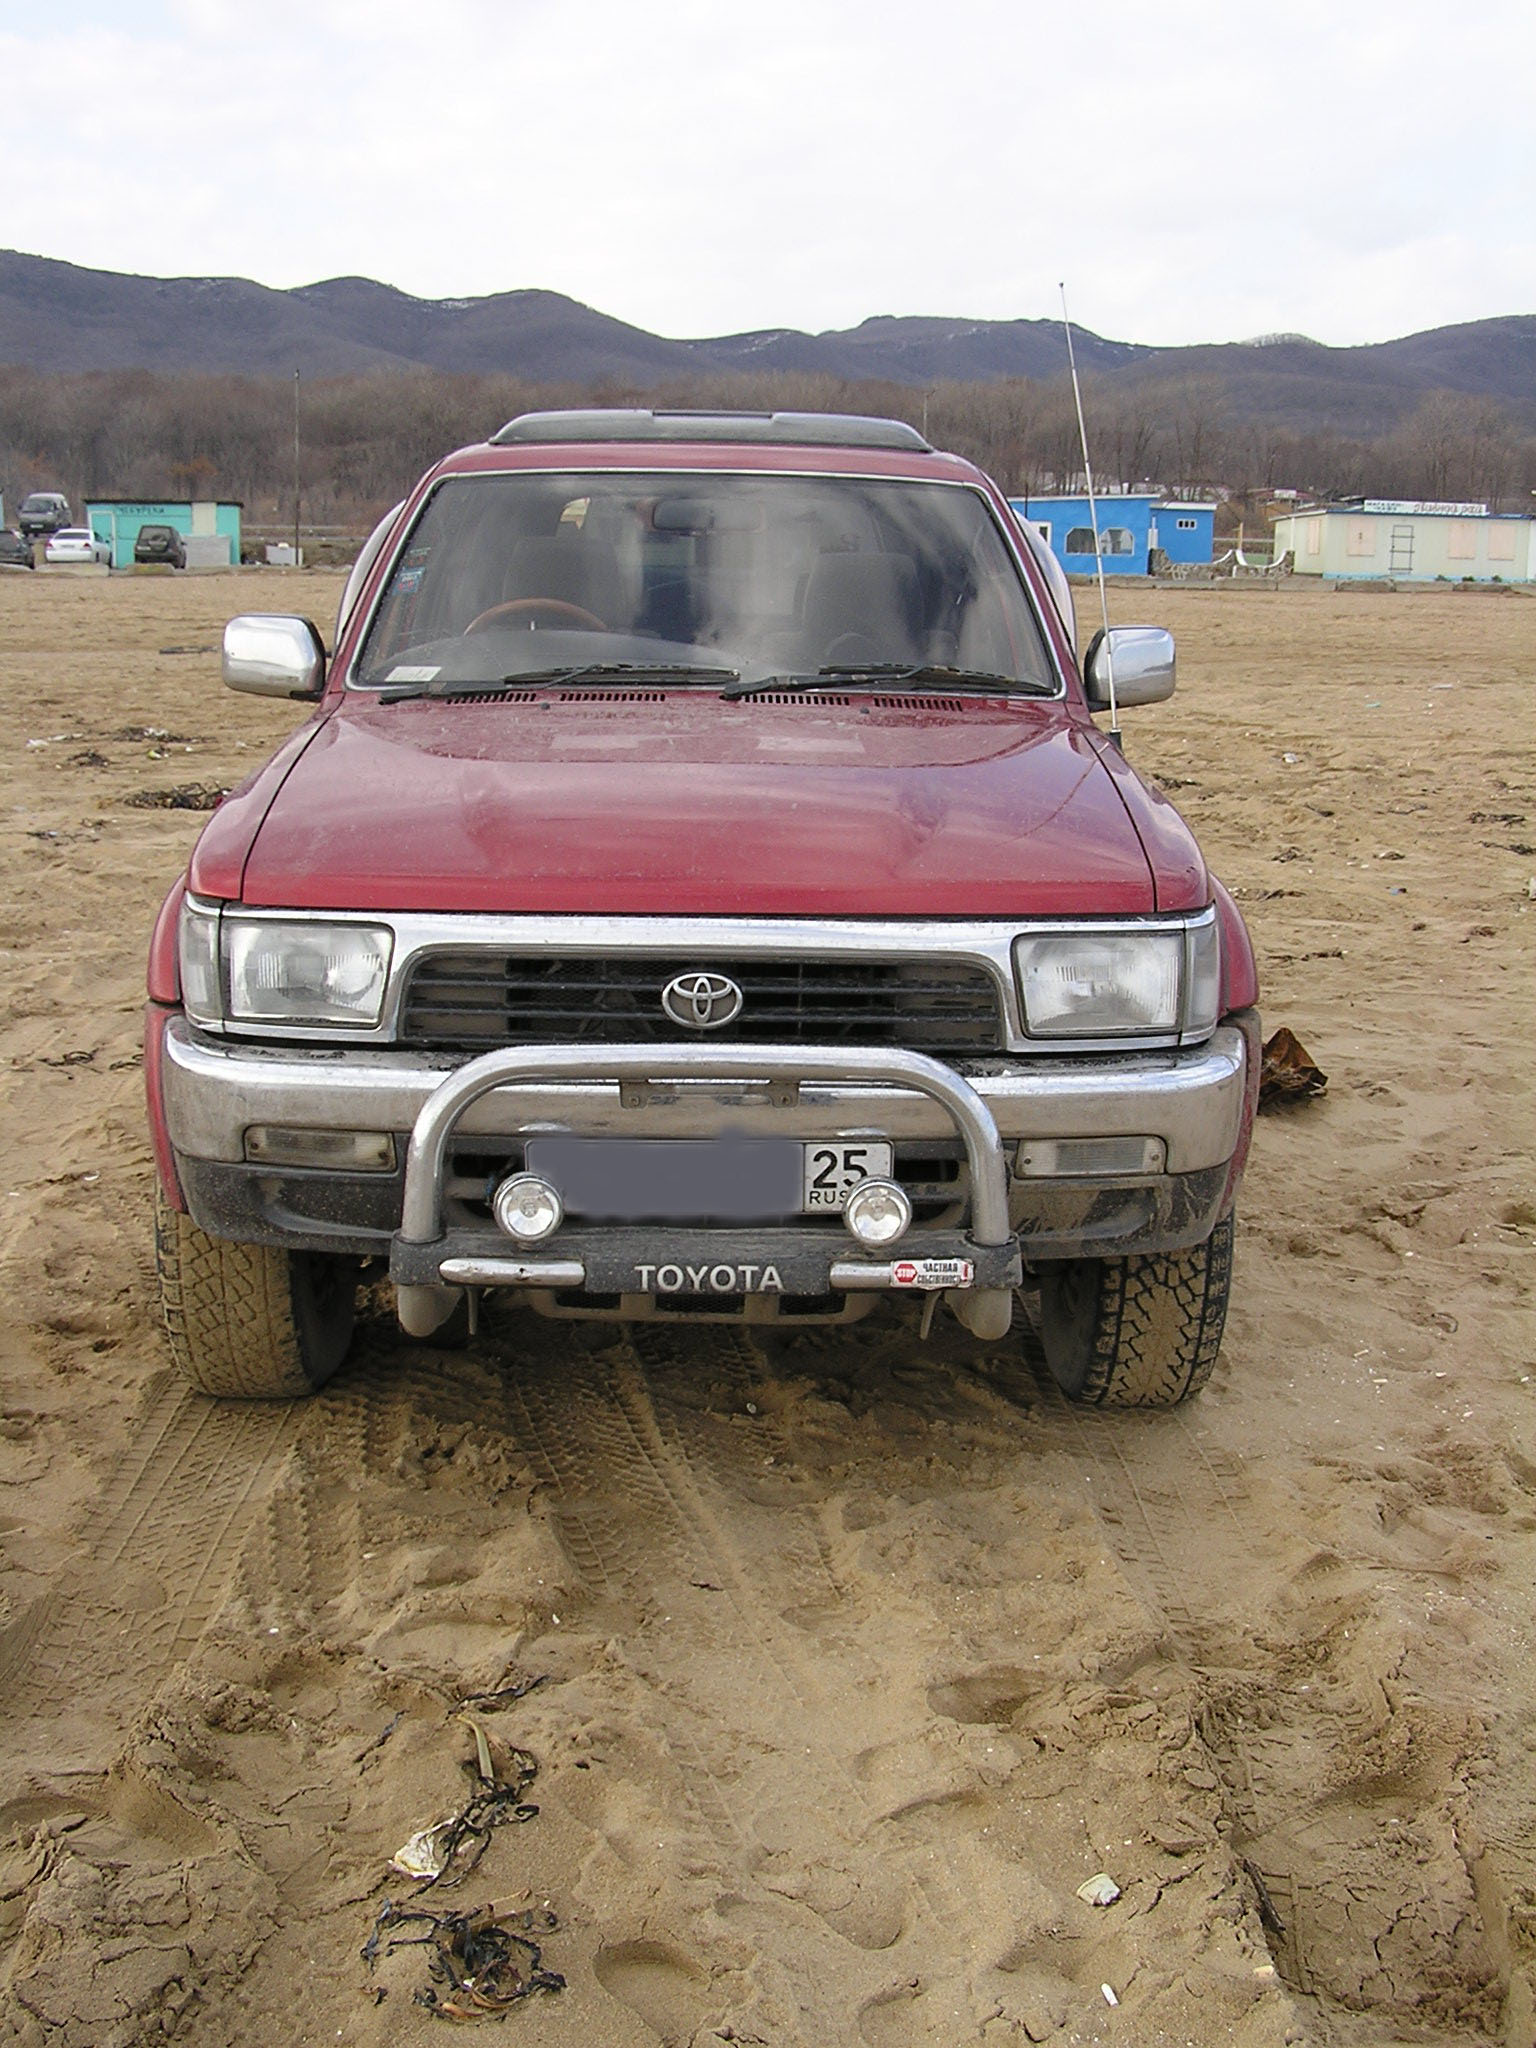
(646, 802)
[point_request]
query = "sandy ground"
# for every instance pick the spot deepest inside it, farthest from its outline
(858, 1657)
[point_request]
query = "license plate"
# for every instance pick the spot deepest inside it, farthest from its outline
(734, 1179)
(834, 1168)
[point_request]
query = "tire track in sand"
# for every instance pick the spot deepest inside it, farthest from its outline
(1333, 1896)
(158, 1551)
(206, 1499)
(658, 1504)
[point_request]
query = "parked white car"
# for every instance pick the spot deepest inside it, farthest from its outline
(76, 544)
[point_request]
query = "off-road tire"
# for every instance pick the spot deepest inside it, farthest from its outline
(249, 1321)
(1137, 1332)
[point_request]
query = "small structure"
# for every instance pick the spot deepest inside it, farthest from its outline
(1408, 540)
(1138, 530)
(1185, 530)
(211, 527)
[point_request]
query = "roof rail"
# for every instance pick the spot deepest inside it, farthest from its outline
(645, 423)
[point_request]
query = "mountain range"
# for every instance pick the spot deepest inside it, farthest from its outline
(58, 316)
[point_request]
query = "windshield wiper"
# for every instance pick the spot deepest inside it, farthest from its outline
(584, 672)
(924, 674)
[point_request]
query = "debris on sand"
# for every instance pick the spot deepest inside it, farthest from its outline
(463, 1838)
(425, 1854)
(481, 1963)
(1288, 1073)
(484, 1961)
(504, 1696)
(185, 796)
(1099, 1891)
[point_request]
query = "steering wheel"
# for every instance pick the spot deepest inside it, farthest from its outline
(849, 650)
(554, 609)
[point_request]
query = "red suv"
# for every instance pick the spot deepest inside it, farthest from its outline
(701, 891)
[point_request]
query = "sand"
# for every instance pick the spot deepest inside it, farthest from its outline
(859, 1656)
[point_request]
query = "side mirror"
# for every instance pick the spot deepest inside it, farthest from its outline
(272, 655)
(1143, 660)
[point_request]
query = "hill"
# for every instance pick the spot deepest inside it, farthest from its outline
(60, 317)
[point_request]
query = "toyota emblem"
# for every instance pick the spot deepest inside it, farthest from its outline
(702, 1002)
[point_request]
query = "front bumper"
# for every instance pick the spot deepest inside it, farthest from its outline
(1192, 1101)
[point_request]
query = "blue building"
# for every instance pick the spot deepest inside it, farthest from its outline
(1185, 531)
(1131, 525)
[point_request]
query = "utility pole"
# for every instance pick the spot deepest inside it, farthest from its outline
(296, 469)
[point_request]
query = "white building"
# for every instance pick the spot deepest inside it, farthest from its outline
(1408, 540)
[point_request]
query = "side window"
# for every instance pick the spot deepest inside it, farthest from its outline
(1079, 541)
(367, 556)
(1118, 540)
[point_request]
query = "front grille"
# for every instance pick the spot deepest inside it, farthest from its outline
(476, 1000)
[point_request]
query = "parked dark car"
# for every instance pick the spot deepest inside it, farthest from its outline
(15, 552)
(160, 544)
(43, 512)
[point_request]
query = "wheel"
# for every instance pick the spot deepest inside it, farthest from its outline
(1137, 1332)
(246, 1319)
(554, 611)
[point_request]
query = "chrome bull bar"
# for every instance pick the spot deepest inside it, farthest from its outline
(422, 1307)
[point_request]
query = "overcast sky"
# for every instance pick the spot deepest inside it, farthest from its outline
(1194, 171)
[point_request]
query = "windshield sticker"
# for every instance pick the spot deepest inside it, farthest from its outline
(413, 672)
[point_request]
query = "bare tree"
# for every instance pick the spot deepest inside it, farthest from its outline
(133, 433)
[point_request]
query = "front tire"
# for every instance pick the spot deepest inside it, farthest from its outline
(249, 1321)
(1139, 1332)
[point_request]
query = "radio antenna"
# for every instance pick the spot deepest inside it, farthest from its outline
(1093, 514)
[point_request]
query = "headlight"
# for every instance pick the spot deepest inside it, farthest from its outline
(1103, 982)
(302, 973)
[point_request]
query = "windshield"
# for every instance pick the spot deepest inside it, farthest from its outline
(760, 575)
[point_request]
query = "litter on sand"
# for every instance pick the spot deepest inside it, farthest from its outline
(426, 1853)
(481, 1963)
(1288, 1072)
(1099, 1891)
(488, 1702)
(447, 1851)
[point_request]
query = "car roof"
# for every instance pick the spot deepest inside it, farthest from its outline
(652, 424)
(632, 437)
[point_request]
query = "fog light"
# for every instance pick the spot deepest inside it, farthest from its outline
(1089, 1158)
(344, 1151)
(878, 1212)
(527, 1208)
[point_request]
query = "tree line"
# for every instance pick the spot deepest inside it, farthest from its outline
(365, 439)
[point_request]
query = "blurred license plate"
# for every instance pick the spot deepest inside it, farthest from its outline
(735, 1178)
